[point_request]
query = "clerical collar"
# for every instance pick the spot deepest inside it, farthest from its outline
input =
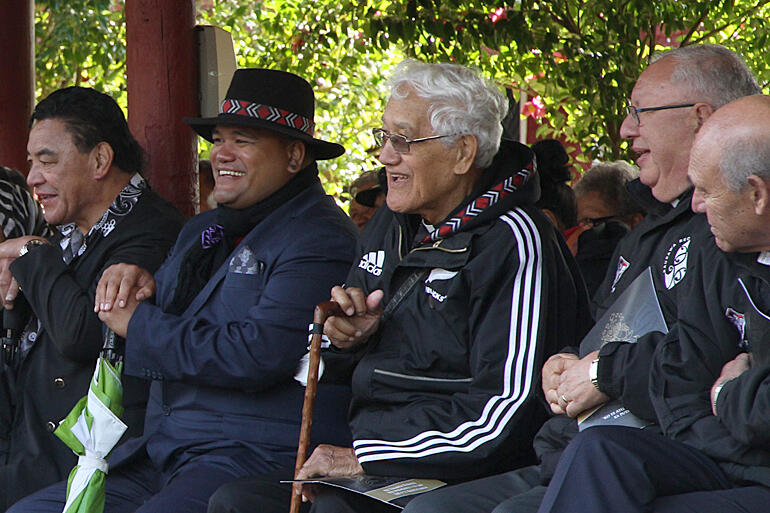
(764, 257)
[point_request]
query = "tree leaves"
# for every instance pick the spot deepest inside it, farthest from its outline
(80, 42)
(581, 57)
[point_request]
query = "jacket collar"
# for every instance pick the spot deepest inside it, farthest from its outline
(289, 210)
(642, 194)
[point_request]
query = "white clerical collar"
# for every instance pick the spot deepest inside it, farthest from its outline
(675, 203)
(764, 257)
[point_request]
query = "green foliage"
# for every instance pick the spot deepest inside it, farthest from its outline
(323, 42)
(580, 57)
(80, 42)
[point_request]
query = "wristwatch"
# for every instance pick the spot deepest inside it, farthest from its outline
(717, 390)
(593, 373)
(31, 244)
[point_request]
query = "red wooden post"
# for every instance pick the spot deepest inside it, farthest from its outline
(161, 68)
(17, 88)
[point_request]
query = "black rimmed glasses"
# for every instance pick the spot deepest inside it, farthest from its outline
(594, 221)
(634, 112)
(399, 142)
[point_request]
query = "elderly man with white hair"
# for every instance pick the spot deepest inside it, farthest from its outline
(462, 289)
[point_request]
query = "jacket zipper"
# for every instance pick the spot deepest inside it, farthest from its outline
(435, 245)
(423, 248)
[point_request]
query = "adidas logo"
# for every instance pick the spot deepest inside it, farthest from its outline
(372, 262)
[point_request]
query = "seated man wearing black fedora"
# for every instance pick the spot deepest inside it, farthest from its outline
(223, 338)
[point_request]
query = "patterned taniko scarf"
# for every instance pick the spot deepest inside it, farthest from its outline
(74, 243)
(497, 192)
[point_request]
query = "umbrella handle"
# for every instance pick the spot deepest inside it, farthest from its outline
(322, 312)
(113, 347)
(14, 322)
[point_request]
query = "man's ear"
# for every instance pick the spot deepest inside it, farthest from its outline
(467, 147)
(296, 152)
(702, 112)
(760, 195)
(102, 156)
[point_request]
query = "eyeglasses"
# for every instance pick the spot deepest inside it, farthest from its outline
(399, 142)
(595, 221)
(634, 112)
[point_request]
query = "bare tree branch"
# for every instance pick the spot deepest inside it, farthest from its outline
(695, 26)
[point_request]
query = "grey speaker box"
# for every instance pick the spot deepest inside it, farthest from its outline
(217, 64)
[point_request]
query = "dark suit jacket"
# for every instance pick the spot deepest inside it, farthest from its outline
(57, 370)
(223, 370)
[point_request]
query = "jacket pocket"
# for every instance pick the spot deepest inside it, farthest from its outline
(241, 292)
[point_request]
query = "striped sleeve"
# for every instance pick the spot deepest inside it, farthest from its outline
(20, 214)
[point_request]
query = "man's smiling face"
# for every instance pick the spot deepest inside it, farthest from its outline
(662, 138)
(249, 164)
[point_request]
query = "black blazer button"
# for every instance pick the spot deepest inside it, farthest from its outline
(59, 383)
(51, 426)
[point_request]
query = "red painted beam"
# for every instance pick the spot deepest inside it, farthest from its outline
(162, 79)
(17, 88)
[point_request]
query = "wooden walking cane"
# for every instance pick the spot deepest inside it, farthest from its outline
(322, 312)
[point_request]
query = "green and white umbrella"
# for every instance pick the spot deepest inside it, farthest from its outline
(91, 430)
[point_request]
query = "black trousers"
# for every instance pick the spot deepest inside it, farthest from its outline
(333, 500)
(518, 491)
(613, 469)
(266, 494)
(139, 487)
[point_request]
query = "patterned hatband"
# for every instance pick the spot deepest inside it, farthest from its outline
(267, 113)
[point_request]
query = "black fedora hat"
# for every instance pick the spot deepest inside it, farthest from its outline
(272, 100)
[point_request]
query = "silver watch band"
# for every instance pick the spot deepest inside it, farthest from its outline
(31, 244)
(593, 373)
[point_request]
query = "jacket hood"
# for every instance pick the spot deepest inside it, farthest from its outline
(510, 181)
